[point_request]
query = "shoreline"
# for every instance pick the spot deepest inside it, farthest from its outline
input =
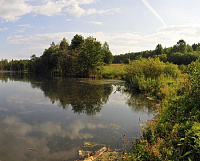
(4, 71)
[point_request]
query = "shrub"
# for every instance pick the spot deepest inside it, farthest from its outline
(152, 76)
(174, 134)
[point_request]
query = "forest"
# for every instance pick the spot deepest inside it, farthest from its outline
(180, 54)
(81, 58)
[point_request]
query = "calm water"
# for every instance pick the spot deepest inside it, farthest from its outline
(50, 119)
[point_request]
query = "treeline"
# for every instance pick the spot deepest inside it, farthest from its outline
(180, 53)
(14, 65)
(81, 58)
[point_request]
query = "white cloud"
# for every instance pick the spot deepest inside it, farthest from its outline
(72, 131)
(91, 11)
(12, 10)
(49, 8)
(68, 20)
(96, 22)
(25, 25)
(3, 29)
(119, 43)
(86, 1)
(108, 11)
(22, 30)
(16, 133)
(75, 10)
(18, 127)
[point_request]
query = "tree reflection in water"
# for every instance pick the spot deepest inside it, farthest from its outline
(81, 96)
(29, 121)
(139, 102)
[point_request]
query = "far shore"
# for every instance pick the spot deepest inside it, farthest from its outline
(4, 71)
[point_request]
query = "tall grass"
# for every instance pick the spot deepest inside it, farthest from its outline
(153, 76)
(174, 134)
(114, 71)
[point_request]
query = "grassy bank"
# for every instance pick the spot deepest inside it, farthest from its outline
(174, 134)
(114, 71)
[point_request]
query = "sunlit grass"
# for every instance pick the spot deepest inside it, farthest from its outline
(114, 71)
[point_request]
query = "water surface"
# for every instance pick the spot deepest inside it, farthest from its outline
(50, 119)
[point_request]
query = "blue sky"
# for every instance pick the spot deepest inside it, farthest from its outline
(28, 26)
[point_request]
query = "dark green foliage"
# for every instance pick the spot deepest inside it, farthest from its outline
(159, 49)
(63, 45)
(152, 76)
(14, 65)
(194, 46)
(95, 96)
(107, 55)
(181, 46)
(90, 57)
(194, 70)
(49, 59)
(174, 134)
(178, 54)
(183, 58)
(76, 42)
(162, 57)
(82, 58)
(189, 48)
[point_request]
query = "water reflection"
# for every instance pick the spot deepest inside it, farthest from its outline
(140, 103)
(83, 97)
(136, 101)
(32, 127)
(35, 142)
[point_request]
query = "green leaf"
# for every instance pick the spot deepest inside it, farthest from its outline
(182, 139)
(187, 153)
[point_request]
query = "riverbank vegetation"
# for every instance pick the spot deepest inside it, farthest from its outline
(153, 77)
(174, 134)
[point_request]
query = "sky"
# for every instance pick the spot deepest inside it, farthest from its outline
(28, 27)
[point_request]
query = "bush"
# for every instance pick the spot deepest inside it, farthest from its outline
(152, 76)
(174, 134)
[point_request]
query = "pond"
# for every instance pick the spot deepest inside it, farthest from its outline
(52, 118)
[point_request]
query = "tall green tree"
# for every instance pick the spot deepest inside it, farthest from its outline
(64, 63)
(63, 45)
(189, 48)
(108, 57)
(76, 42)
(90, 57)
(159, 49)
(181, 44)
(49, 59)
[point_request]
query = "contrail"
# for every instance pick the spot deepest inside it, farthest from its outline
(146, 3)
